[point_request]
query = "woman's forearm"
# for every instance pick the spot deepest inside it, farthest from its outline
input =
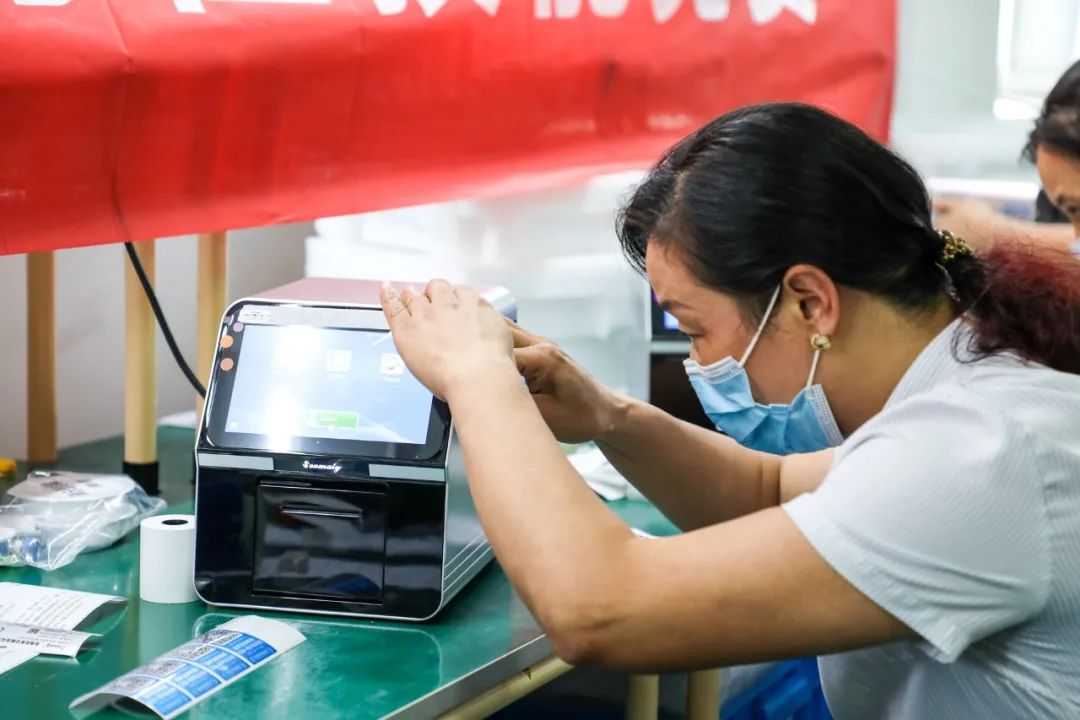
(695, 476)
(553, 536)
(1058, 235)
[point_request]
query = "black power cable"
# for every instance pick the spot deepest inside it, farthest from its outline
(151, 297)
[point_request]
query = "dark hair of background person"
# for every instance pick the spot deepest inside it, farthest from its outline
(1057, 127)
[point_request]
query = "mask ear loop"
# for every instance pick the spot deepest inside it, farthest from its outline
(761, 327)
(813, 369)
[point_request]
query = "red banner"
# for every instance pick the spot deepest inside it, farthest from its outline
(133, 119)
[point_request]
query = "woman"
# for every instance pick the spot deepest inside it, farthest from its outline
(933, 556)
(1054, 148)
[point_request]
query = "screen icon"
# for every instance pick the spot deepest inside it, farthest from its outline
(391, 365)
(338, 361)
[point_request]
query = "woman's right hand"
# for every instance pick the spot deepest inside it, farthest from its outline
(575, 406)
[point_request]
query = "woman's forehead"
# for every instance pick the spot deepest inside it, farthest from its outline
(1060, 175)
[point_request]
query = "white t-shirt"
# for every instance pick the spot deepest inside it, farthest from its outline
(957, 509)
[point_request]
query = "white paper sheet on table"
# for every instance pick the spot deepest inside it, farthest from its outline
(185, 419)
(601, 476)
(44, 641)
(11, 657)
(47, 606)
(48, 610)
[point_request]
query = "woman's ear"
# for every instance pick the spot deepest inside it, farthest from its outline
(814, 297)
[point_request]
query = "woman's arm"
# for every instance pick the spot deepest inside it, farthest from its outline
(982, 226)
(744, 590)
(747, 590)
(698, 477)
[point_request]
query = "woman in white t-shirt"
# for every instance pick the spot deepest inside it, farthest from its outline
(932, 558)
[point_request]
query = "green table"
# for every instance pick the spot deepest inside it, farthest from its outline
(347, 668)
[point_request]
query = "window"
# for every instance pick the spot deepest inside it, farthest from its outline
(1037, 40)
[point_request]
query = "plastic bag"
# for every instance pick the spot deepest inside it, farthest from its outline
(52, 516)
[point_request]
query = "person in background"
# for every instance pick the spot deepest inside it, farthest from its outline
(1054, 148)
(896, 486)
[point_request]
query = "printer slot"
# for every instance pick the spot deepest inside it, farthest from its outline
(320, 543)
(301, 512)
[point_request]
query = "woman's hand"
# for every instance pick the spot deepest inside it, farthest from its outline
(449, 337)
(575, 406)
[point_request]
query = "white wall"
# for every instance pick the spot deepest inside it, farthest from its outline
(90, 335)
(943, 119)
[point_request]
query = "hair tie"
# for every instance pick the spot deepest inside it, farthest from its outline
(954, 247)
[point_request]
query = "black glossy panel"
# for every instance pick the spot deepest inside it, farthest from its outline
(324, 543)
(229, 503)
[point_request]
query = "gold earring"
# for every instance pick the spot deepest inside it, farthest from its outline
(820, 342)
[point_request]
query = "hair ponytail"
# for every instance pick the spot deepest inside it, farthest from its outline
(1022, 298)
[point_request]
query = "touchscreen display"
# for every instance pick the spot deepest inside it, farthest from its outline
(302, 381)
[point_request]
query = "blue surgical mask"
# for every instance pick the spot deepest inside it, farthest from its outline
(723, 387)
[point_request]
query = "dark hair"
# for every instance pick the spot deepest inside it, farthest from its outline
(1058, 124)
(1046, 211)
(766, 187)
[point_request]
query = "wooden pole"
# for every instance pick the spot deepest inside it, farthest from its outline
(140, 376)
(41, 358)
(643, 697)
(509, 690)
(212, 290)
(703, 695)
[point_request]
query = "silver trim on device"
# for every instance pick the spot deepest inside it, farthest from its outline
(405, 472)
(238, 462)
